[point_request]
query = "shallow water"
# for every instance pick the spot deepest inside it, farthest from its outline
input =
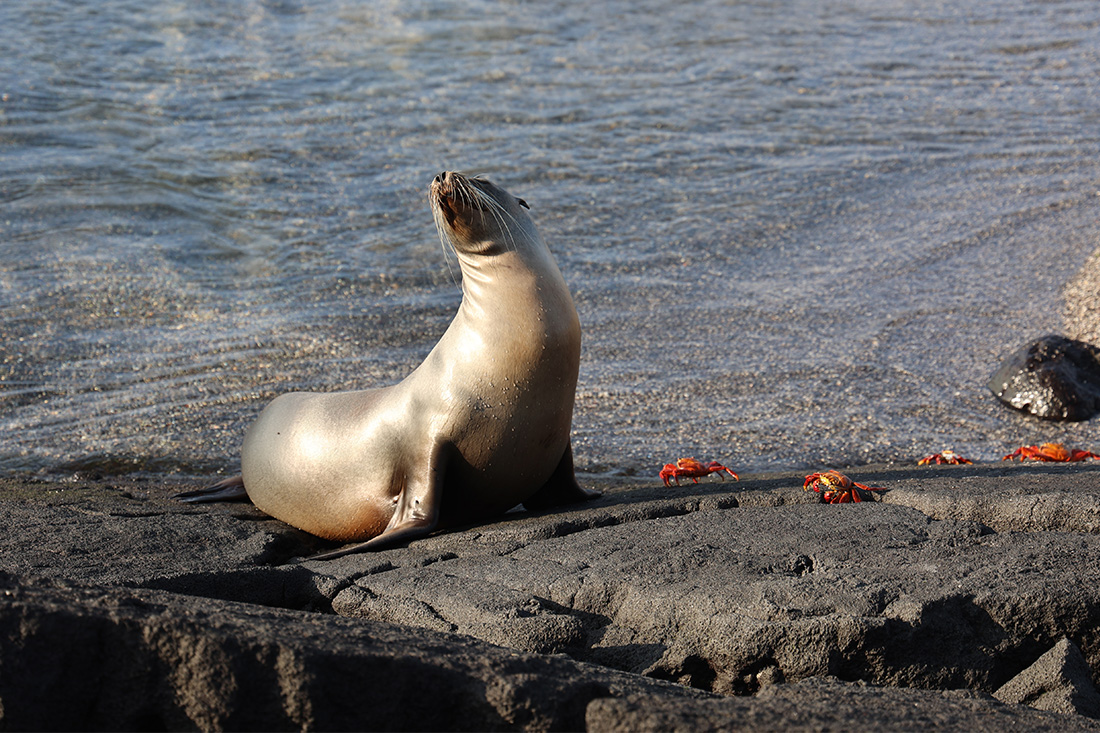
(798, 233)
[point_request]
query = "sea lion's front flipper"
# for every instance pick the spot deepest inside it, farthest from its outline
(231, 489)
(561, 487)
(416, 513)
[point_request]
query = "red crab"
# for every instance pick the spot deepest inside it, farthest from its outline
(836, 488)
(948, 456)
(1050, 452)
(693, 469)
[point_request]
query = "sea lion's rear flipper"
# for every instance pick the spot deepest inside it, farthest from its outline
(231, 489)
(407, 530)
(561, 487)
(416, 513)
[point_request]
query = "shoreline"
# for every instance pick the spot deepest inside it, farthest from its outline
(1081, 298)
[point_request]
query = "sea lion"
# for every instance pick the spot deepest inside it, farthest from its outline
(478, 428)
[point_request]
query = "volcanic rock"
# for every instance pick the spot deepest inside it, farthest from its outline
(828, 704)
(1054, 378)
(1059, 681)
(125, 609)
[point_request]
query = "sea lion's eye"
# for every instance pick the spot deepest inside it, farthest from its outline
(523, 204)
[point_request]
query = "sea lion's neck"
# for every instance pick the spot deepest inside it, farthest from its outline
(488, 280)
(516, 287)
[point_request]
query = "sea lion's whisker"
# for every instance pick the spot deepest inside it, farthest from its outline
(500, 212)
(488, 204)
(445, 242)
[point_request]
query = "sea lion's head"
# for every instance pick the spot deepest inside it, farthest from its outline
(477, 216)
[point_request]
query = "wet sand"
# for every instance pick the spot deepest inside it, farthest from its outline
(1082, 302)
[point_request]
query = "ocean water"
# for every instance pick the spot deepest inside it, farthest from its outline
(798, 232)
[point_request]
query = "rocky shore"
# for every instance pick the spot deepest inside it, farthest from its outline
(966, 597)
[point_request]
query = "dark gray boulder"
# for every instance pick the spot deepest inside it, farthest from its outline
(1055, 378)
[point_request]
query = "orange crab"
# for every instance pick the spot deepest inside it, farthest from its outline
(693, 469)
(1050, 452)
(948, 456)
(836, 488)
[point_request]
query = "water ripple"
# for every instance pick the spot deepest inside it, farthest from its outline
(796, 231)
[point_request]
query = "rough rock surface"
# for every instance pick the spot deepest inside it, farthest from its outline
(1054, 378)
(79, 657)
(959, 577)
(1059, 681)
(827, 704)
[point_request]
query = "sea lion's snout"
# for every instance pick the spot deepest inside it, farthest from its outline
(472, 213)
(442, 196)
(449, 183)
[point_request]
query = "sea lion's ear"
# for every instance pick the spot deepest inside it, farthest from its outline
(523, 204)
